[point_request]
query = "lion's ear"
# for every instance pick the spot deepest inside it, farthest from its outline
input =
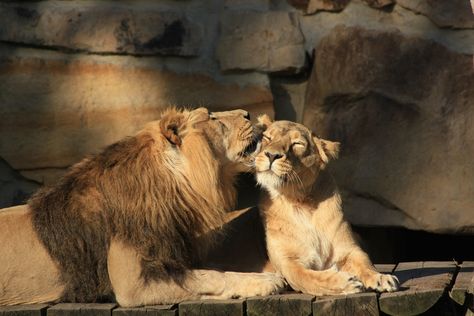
(264, 120)
(171, 124)
(327, 150)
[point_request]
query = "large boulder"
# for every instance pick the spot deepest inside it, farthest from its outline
(403, 109)
(252, 40)
(55, 108)
(100, 28)
(448, 14)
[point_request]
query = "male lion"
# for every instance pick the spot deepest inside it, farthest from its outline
(308, 240)
(134, 220)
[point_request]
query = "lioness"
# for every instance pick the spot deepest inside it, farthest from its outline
(308, 240)
(133, 221)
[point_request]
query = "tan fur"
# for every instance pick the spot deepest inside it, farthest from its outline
(27, 273)
(135, 220)
(308, 240)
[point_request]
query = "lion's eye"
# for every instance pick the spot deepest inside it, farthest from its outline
(266, 137)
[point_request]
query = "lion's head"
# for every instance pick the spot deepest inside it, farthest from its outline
(290, 156)
(230, 134)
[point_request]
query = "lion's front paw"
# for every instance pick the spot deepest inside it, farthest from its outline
(382, 282)
(336, 283)
(351, 284)
(253, 284)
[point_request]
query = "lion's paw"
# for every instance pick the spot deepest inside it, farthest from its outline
(351, 284)
(337, 283)
(382, 282)
(253, 284)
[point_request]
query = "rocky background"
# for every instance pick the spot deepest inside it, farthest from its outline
(392, 80)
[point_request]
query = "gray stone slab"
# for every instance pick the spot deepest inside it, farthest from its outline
(155, 310)
(283, 304)
(70, 309)
(363, 304)
(212, 307)
(422, 284)
(463, 288)
(24, 310)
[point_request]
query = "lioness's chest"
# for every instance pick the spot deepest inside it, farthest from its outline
(310, 246)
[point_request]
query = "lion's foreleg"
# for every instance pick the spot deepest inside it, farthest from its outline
(132, 290)
(242, 285)
(325, 282)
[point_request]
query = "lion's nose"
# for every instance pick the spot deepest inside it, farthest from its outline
(247, 115)
(272, 157)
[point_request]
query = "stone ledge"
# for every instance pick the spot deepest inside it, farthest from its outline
(56, 108)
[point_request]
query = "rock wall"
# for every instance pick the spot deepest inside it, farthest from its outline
(391, 79)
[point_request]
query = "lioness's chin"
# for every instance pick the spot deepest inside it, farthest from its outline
(269, 180)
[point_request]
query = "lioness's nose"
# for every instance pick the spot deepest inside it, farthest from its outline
(272, 156)
(247, 115)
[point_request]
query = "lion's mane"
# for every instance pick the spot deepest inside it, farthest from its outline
(144, 190)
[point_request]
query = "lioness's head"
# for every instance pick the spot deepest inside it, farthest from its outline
(230, 134)
(290, 156)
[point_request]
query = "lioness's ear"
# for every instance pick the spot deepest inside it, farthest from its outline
(171, 124)
(264, 120)
(327, 150)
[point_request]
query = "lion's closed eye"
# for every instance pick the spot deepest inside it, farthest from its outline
(298, 147)
(298, 144)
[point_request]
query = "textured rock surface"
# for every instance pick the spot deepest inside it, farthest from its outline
(379, 3)
(78, 75)
(403, 109)
(253, 40)
(452, 13)
(56, 108)
(260, 5)
(313, 6)
(100, 28)
(359, 14)
(326, 5)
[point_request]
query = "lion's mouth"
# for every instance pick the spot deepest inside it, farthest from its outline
(254, 144)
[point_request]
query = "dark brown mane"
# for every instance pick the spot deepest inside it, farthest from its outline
(128, 192)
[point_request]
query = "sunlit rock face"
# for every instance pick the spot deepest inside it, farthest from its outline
(392, 80)
(403, 109)
(57, 108)
(76, 76)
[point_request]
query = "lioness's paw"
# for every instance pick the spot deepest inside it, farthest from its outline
(382, 282)
(340, 282)
(252, 284)
(352, 284)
